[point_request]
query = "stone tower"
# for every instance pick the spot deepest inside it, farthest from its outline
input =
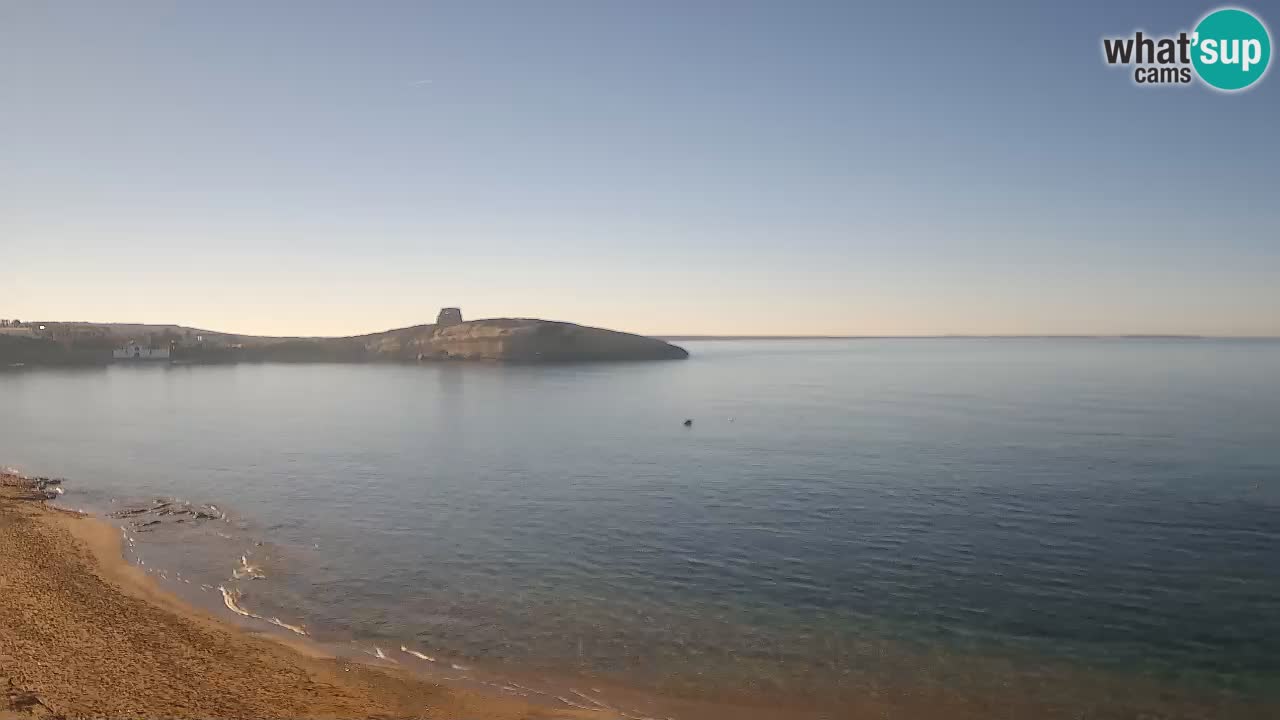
(449, 316)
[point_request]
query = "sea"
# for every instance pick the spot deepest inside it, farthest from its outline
(1091, 525)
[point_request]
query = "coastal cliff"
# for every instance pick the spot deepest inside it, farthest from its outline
(517, 339)
(450, 338)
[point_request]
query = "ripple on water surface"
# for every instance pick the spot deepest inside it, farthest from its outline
(841, 516)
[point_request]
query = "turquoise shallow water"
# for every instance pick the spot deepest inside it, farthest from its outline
(841, 513)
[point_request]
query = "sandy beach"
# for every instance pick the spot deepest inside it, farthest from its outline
(84, 634)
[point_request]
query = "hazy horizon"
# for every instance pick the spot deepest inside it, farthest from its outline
(693, 336)
(661, 168)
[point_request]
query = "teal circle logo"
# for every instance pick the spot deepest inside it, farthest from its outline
(1231, 49)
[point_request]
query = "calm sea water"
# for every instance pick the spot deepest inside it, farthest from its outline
(841, 514)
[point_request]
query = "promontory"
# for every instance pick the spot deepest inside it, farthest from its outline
(449, 338)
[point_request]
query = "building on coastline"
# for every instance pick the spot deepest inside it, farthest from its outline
(449, 316)
(15, 327)
(135, 351)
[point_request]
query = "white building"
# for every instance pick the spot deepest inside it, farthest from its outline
(134, 351)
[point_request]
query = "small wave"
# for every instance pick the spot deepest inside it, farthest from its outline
(522, 687)
(591, 700)
(291, 628)
(231, 598)
(417, 654)
(601, 705)
(571, 703)
(247, 570)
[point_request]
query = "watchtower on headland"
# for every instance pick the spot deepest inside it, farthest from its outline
(449, 316)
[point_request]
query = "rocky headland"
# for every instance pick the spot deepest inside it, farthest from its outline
(449, 338)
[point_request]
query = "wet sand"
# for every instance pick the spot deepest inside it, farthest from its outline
(84, 634)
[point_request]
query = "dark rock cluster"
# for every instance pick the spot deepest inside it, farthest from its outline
(146, 518)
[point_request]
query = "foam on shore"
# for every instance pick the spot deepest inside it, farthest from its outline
(291, 628)
(417, 654)
(230, 598)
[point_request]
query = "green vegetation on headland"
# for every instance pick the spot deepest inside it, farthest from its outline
(450, 338)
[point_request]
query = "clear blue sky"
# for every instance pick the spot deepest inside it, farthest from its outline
(662, 167)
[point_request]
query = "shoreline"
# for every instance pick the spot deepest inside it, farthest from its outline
(91, 634)
(86, 634)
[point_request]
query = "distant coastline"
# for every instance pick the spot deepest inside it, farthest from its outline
(1135, 336)
(449, 338)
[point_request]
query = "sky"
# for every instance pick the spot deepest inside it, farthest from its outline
(832, 168)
